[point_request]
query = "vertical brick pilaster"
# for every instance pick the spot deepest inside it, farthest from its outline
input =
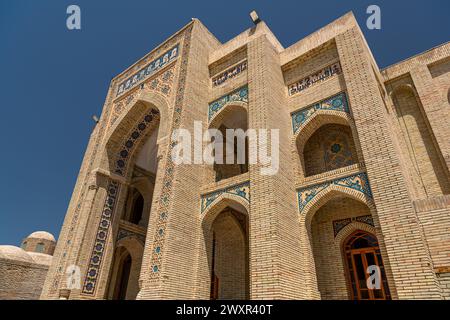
(437, 110)
(277, 269)
(403, 236)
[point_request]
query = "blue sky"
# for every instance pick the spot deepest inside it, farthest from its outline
(53, 80)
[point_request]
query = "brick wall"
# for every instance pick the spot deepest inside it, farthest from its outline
(21, 280)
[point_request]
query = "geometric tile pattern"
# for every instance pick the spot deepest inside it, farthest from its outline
(161, 82)
(168, 175)
(338, 225)
(336, 103)
(65, 256)
(240, 94)
(358, 182)
(336, 150)
(100, 239)
(242, 190)
(149, 121)
(148, 70)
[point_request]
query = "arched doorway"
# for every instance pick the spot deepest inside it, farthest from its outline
(122, 277)
(133, 151)
(229, 256)
(364, 267)
(337, 215)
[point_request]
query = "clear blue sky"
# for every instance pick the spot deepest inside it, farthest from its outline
(53, 80)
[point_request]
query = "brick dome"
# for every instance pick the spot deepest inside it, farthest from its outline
(44, 235)
(14, 253)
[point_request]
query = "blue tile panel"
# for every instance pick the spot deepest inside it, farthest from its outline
(242, 190)
(103, 229)
(338, 225)
(358, 182)
(157, 64)
(336, 103)
(240, 94)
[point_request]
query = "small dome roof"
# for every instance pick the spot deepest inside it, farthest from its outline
(44, 235)
(41, 258)
(14, 253)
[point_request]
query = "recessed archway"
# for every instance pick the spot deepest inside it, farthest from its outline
(226, 235)
(132, 153)
(231, 116)
(330, 147)
(326, 141)
(323, 220)
(364, 267)
(125, 271)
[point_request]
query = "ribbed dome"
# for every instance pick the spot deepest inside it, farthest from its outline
(44, 235)
(14, 253)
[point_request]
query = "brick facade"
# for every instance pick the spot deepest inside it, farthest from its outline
(360, 149)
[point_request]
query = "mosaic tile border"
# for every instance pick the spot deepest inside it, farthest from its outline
(161, 82)
(101, 237)
(166, 192)
(338, 102)
(242, 190)
(338, 225)
(240, 94)
(65, 254)
(150, 69)
(358, 182)
(148, 121)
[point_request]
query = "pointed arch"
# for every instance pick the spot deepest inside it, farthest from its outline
(349, 229)
(224, 270)
(124, 284)
(317, 120)
(220, 203)
(228, 109)
(329, 192)
(129, 133)
(144, 100)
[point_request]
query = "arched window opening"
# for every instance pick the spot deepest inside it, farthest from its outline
(40, 247)
(233, 118)
(227, 170)
(137, 208)
(330, 147)
(123, 275)
(24, 245)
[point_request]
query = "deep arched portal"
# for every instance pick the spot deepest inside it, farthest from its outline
(229, 256)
